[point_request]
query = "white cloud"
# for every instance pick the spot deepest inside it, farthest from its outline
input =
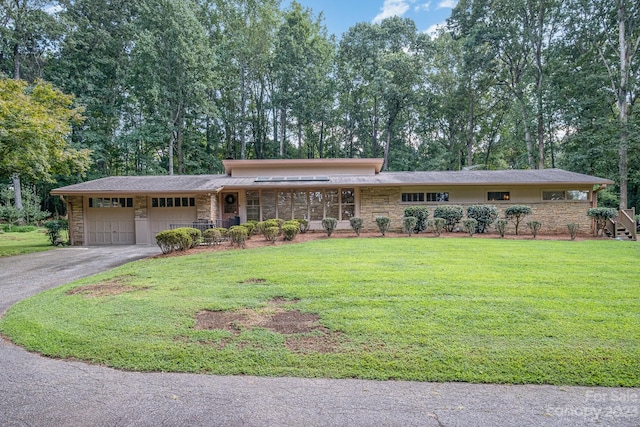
(53, 9)
(432, 31)
(392, 8)
(424, 7)
(447, 4)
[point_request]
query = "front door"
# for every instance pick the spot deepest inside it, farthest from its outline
(230, 207)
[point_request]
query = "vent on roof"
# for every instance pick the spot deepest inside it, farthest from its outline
(290, 178)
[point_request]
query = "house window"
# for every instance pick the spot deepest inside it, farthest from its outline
(494, 196)
(111, 202)
(576, 195)
(438, 197)
(412, 197)
(253, 205)
(172, 202)
(300, 205)
(347, 203)
(313, 205)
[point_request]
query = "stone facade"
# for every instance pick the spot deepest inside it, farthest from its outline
(554, 216)
(76, 209)
(207, 207)
(140, 203)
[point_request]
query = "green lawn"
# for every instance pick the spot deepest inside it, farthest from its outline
(23, 243)
(426, 309)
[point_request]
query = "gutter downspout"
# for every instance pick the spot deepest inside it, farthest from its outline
(70, 219)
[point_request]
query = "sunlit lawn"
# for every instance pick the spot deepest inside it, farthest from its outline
(23, 243)
(427, 309)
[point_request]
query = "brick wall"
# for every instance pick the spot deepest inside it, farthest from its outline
(140, 203)
(207, 207)
(554, 216)
(76, 210)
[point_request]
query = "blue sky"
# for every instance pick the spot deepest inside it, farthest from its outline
(340, 15)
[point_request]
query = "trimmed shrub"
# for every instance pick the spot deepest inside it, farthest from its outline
(194, 233)
(516, 214)
(534, 226)
(451, 214)
(264, 225)
(501, 226)
(329, 225)
(601, 215)
(437, 224)
(573, 230)
(409, 224)
(420, 213)
(470, 226)
(304, 225)
(173, 240)
(484, 214)
(238, 235)
(290, 230)
(53, 227)
(384, 223)
(250, 227)
(271, 233)
(356, 223)
(211, 236)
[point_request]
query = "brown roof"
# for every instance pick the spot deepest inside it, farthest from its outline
(214, 183)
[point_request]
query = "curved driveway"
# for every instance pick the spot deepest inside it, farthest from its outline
(37, 391)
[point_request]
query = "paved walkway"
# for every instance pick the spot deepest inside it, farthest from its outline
(37, 391)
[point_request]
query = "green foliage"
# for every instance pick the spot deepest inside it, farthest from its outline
(437, 224)
(534, 226)
(271, 233)
(174, 240)
(9, 228)
(30, 213)
(452, 214)
(517, 213)
(304, 225)
(470, 226)
(238, 235)
(262, 226)
(383, 223)
(290, 230)
(54, 229)
(409, 224)
(501, 226)
(215, 236)
(195, 235)
(484, 214)
(356, 224)
(250, 228)
(23, 243)
(420, 213)
(601, 216)
(329, 225)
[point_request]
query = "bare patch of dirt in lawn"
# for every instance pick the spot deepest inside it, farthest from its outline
(303, 330)
(115, 286)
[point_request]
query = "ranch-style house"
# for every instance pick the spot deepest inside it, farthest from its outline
(133, 209)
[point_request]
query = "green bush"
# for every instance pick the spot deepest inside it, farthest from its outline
(329, 225)
(21, 228)
(501, 226)
(517, 213)
(601, 215)
(53, 227)
(437, 224)
(271, 233)
(484, 214)
(194, 233)
(290, 230)
(470, 225)
(409, 224)
(250, 228)
(451, 214)
(356, 224)
(573, 230)
(173, 240)
(215, 236)
(383, 223)
(238, 235)
(534, 226)
(420, 213)
(304, 225)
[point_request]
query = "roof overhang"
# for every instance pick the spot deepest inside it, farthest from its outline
(265, 166)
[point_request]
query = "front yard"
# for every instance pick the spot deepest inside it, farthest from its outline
(455, 309)
(24, 243)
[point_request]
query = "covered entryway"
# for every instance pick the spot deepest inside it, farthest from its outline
(165, 211)
(110, 221)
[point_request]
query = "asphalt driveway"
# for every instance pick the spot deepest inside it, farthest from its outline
(37, 391)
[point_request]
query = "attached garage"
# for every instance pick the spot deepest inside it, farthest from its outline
(111, 221)
(176, 210)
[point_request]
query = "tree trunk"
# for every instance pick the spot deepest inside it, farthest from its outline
(172, 138)
(179, 140)
(283, 130)
(375, 127)
(321, 144)
(470, 135)
(17, 190)
(539, 78)
(527, 136)
(243, 107)
(623, 107)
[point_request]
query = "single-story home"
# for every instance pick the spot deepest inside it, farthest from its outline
(133, 209)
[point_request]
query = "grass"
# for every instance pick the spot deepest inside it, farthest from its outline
(23, 243)
(474, 310)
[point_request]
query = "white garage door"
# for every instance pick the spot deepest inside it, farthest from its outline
(110, 221)
(162, 216)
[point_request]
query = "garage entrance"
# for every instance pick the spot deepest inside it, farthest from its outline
(110, 221)
(165, 211)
